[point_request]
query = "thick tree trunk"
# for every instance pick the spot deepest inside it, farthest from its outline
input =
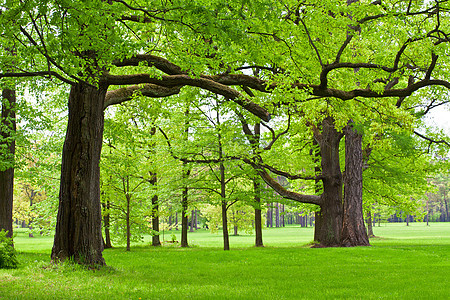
(329, 219)
(353, 229)
(258, 218)
(78, 229)
(7, 121)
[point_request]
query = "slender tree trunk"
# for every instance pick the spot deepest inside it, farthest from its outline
(446, 210)
(235, 230)
(329, 219)
(258, 218)
(270, 214)
(128, 213)
(155, 213)
(369, 225)
(8, 122)
(226, 238)
(184, 219)
(192, 221)
(78, 229)
(195, 219)
(282, 216)
(184, 209)
(353, 229)
(107, 224)
(277, 215)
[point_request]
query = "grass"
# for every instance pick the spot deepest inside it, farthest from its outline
(403, 263)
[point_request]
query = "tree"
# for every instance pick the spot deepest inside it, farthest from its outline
(7, 150)
(317, 70)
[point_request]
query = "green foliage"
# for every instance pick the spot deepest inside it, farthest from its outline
(8, 258)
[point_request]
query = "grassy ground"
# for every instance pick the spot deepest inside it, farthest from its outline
(403, 263)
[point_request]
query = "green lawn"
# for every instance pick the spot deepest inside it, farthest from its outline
(403, 263)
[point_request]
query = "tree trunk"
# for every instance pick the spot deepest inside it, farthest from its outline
(184, 209)
(184, 219)
(446, 210)
(155, 213)
(369, 225)
(128, 213)
(78, 229)
(353, 229)
(195, 220)
(258, 219)
(235, 230)
(277, 215)
(8, 122)
(269, 218)
(107, 224)
(329, 219)
(226, 238)
(192, 221)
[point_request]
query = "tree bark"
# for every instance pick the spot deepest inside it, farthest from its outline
(328, 231)
(258, 218)
(353, 229)
(7, 121)
(78, 229)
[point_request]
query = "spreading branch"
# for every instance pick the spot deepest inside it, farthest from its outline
(149, 90)
(185, 80)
